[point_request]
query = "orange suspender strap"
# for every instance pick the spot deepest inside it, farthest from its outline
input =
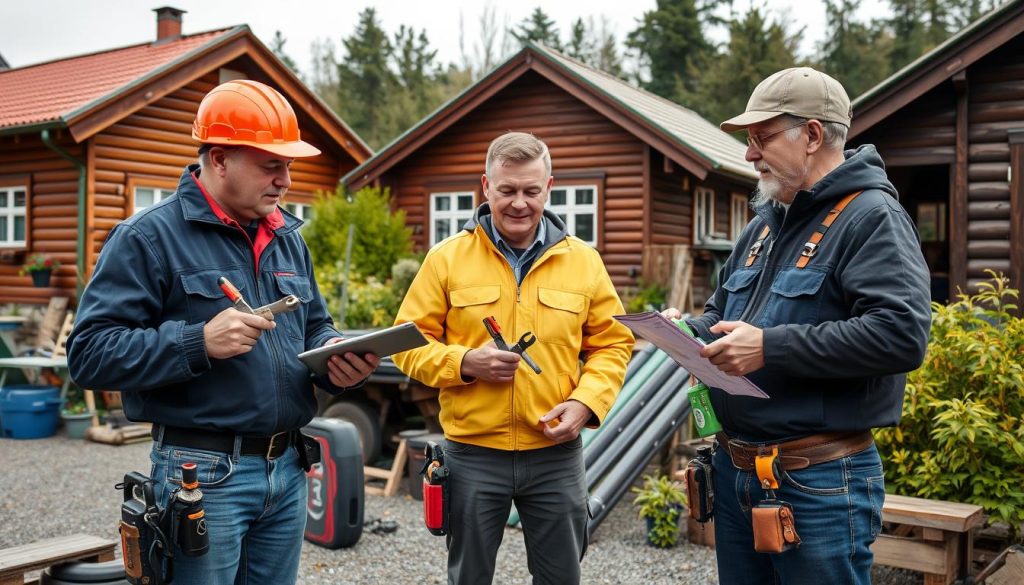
(811, 247)
(756, 248)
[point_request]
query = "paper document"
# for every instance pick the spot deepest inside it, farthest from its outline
(685, 350)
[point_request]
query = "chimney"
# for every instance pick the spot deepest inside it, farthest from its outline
(168, 24)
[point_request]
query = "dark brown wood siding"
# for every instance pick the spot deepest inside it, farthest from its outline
(52, 217)
(586, 148)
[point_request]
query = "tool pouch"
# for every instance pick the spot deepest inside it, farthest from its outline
(774, 526)
(699, 488)
(435, 490)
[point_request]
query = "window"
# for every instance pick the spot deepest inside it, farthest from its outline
(577, 207)
(703, 214)
(448, 212)
(13, 216)
(300, 210)
(740, 215)
(931, 221)
(147, 196)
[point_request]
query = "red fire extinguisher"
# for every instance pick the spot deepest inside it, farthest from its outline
(435, 489)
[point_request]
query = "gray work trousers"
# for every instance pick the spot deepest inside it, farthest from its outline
(549, 489)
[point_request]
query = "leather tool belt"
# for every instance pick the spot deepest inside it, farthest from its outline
(270, 447)
(798, 453)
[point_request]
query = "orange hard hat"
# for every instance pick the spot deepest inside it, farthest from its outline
(249, 113)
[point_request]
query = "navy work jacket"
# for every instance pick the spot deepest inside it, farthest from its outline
(140, 323)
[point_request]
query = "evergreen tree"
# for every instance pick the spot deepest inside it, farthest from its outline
(277, 48)
(671, 41)
(366, 83)
(851, 52)
(538, 28)
(580, 45)
(757, 48)
(608, 58)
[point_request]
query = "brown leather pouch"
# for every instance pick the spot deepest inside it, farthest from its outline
(699, 492)
(774, 527)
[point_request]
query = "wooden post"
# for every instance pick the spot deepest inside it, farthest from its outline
(958, 196)
(1016, 275)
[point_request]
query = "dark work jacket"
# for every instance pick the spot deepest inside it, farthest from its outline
(140, 323)
(839, 334)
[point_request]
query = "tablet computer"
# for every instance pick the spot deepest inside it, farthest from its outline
(380, 343)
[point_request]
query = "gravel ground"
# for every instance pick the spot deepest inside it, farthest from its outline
(57, 486)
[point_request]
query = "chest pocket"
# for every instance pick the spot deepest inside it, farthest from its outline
(294, 322)
(796, 297)
(203, 294)
(740, 286)
(560, 317)
(470, 306)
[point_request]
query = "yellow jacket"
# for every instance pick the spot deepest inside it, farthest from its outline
(566, 299)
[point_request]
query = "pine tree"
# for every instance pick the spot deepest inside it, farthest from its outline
(671, 41)
(277, 48)
(851, 52)
(757, 48)
(580, 45)
(365, 81)
(538, 28)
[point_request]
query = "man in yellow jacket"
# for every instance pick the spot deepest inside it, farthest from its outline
(513, 435)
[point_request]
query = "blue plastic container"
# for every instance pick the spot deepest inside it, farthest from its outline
(29, 411)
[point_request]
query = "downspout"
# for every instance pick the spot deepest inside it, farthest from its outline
(80, 256)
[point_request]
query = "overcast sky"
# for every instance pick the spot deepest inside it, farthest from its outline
(33, 31)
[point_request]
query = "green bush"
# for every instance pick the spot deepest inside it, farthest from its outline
(661, 500)
(650, 296)
(372, 302)
(961, 437)
(381, 237)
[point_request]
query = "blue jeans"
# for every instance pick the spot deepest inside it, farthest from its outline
(255, 515)
(838, 511)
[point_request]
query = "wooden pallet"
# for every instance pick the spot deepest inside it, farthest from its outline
(392, 477)
(16, 562)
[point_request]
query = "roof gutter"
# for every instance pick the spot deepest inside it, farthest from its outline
(80, 256)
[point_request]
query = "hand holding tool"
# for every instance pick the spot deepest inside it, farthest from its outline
(283, 305)
(524, 342)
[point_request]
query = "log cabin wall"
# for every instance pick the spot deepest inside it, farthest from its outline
(51, 217)
(586, 149)
(964, 123)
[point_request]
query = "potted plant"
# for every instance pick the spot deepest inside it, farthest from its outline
(39, 267)
(77, 418)
(661, 502)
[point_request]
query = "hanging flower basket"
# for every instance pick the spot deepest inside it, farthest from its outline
(40, 267)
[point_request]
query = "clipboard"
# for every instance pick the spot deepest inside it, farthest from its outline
(380, 343)
(685, 350)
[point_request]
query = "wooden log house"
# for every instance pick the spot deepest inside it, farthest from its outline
(87, 141)
(635, 174)
(950, 127)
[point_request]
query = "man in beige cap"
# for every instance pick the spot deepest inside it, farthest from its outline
(824, 304)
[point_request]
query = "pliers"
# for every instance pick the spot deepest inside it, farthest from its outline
(524, 342)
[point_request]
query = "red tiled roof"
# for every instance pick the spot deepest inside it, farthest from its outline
(54, 90)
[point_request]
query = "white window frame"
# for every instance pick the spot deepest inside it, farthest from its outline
(456, 217)
(11, 213)
(703, 214)
(571, 209)
(159, 194)
(739, 216)
(302, 211)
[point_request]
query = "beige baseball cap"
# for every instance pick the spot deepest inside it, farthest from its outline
(800, 91)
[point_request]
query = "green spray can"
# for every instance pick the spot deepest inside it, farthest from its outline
(700, 400)
(703, 415)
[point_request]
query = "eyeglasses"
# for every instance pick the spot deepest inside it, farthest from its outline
(758, 142)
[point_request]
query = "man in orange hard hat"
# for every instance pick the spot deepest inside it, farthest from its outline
(221, 386)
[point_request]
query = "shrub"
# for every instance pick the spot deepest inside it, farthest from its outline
(650, 296)
(661, 501)
(380, 238)
(372, 302)
(961, 436)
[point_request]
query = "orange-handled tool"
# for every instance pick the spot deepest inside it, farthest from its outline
(234, 296)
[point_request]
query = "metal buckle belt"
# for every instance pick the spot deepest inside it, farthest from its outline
(798, 453)
(270, 447)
